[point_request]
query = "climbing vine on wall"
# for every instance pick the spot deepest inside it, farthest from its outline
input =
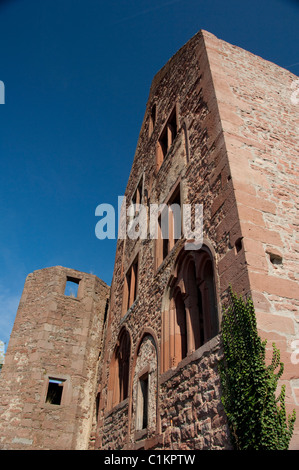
(256, 415)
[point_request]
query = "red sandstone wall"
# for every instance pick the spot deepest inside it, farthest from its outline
(191, 412)
(234, 153)
(260, 126)
(198, 162)
(53, 336)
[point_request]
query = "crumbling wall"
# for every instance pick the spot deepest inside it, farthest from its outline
(54, 347)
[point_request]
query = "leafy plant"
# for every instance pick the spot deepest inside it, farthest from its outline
(256, 416)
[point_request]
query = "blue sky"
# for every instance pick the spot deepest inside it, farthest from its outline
(77, 75)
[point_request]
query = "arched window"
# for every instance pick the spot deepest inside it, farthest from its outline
(180, 327)
(119, 370)
(190, 316)
(144, 387)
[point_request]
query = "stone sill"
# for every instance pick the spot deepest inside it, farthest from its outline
(175, 249)
(208, 347)
(147, 443)
(141, 433)
(71, 298)
(129, 311)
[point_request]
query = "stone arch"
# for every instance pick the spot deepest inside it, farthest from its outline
(144, 386)
(191, 300)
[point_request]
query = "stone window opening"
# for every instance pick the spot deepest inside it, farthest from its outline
(175, 217)
(131, 285)
(162, 239)
(169, 227)
(119, 370)
(54, 391)
(137, 197)
(166, 138)
(191, 318)
(152, 119)
(180, 327)
(106, 312)
(71, 287)
(275, 257)
(238, 245)
(144, 420)
(97, 406)
(142, 402)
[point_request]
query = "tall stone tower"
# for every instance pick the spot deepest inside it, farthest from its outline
(220, 130)
(47, 385)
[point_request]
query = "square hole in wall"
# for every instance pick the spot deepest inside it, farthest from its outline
(71, 287)
(54, 392)
(238, 245)
(275, 259)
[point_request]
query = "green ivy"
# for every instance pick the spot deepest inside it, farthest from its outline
(256, 416)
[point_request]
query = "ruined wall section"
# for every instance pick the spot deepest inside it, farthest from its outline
(260, 126)
(55, 340)
(192, 415)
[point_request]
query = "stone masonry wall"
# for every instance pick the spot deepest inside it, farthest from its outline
(116, 428)
(55, 336)
(192, 416)
(197, 162)
(260, 128)
(234, 152)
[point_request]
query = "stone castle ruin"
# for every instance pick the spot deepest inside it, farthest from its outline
(135, 365)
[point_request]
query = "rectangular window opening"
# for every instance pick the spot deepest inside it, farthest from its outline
(128, 280)
(54, 392)
(176, 218)
(165, 247)
(275, 259)
(142, 405)
(131, 284)
(167, 137)
(164, 236)
(169, 227)
(172, 126)
(137, 198)
(152, 119)
(163, 141)
(71, 287)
